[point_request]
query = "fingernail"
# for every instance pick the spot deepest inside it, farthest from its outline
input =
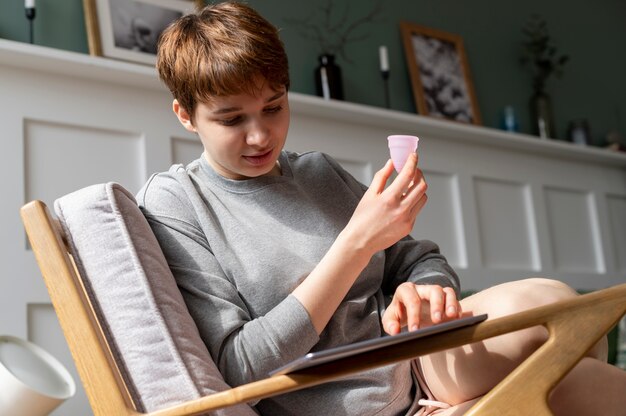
(414, 328)
(437, 316)
(451, 310)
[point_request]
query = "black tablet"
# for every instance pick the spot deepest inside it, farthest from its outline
(332, 354)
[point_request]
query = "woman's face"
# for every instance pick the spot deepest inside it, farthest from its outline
(243, 134)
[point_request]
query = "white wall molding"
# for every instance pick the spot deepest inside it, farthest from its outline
(98, 69)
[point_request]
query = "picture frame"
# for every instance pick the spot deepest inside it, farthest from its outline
(440, 74)
(129, 29)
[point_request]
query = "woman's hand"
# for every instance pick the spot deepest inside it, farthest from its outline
(384, 216)
(419, 306)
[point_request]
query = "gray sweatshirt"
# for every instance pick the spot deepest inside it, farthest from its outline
(238, 248)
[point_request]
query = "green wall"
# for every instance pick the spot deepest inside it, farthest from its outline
(592, 33)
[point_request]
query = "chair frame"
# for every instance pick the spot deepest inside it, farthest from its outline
(574, 327)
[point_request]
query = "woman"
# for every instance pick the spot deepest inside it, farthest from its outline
(278, 254)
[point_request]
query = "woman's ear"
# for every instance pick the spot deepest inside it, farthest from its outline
(183, 116)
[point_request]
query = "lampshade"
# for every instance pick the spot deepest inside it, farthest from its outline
(32, 382)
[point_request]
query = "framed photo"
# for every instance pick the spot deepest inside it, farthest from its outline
(129, 29)
(440, 75)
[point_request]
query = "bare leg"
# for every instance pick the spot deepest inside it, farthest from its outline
(591, 388)
(463, 374)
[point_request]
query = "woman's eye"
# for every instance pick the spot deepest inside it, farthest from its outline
(230, 121)
(272, 110)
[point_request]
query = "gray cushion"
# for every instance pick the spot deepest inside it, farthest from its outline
(153, 338)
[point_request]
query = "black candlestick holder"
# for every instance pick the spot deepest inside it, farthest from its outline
(30, 15)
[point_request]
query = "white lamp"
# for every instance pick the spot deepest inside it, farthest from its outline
(32, 382)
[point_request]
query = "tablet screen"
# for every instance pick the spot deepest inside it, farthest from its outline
(332, 354)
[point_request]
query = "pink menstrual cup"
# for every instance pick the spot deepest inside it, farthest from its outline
(400, 147)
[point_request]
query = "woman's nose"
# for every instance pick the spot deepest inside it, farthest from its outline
(258, 135)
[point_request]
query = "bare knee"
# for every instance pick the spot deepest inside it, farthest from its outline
(537, 291)
(516, 296)
(557, 287)
(474, 369)
(553, 291)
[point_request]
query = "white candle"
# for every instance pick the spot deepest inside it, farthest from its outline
(29, 4)
(325, 86)
(384, 59)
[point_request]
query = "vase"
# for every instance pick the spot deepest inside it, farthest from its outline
(328, 78)
(508, 119)
(542, 117)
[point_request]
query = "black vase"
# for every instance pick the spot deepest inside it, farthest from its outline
(542, 117)
(328, 78)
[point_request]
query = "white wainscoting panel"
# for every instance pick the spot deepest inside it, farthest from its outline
(617, 222)
(574, 231)
(441, 219)
(506, 225)
(185, 150)
(60, 158)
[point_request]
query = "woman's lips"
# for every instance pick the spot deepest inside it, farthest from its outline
(259, 159)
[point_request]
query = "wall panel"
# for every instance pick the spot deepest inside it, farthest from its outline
(574, 231)
(617, 224)
(506, 226)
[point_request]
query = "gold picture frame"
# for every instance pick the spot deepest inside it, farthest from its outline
(440, 74)
(129, 29)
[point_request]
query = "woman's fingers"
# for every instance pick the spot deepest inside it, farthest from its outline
(410, 186)
(381, 177)
(418, 185)
(393, 317)
(417, 207)
(420, 305)
(403, 181)
(453, 307)
(435, 296)
(387, 214)
(413, 305)
(405, 309)
(443, 302)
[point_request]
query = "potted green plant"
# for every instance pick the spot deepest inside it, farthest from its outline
(540, 55)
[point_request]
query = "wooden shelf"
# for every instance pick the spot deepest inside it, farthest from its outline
(39, 58)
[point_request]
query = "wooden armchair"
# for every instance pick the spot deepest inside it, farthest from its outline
(574, 327)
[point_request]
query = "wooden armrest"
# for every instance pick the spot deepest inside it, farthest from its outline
(592, 315)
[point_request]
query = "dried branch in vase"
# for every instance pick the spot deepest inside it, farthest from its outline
(332, 29)
(540, 54)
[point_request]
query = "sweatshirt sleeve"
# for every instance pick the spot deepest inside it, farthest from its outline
(245, 348)
(420, 262)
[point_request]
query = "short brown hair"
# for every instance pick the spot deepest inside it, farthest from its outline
(220, 50)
